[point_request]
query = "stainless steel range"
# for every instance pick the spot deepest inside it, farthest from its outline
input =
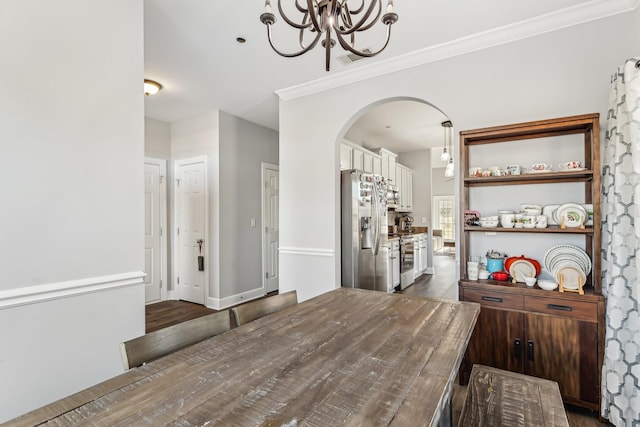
(406, 261)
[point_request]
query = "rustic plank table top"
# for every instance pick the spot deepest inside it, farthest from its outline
(347, 357)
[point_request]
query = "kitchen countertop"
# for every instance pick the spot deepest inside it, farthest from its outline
(414, 232)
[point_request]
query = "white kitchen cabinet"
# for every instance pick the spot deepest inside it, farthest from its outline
(404, 183)
(424, 254)
(353, 156)
(377, 165)
(394, 265)
(418, 260)
(388, 165)
(357, 161)
(367, 162)
(346, 157)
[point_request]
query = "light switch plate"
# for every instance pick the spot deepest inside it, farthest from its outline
(253, 222)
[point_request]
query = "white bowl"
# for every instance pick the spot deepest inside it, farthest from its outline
(489, 224)
(489, 218)
(547, 285)
(530, 281)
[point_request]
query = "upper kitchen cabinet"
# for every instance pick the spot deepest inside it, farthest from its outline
(404, 184)
(388, 160)
(353, 156)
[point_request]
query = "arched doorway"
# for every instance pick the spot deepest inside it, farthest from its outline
(410, 131)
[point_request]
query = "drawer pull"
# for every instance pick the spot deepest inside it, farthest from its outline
(559, 307)
(491, 299)
(530, 350)
(517, 348)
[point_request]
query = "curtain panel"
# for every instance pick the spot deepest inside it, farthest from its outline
(620, 244)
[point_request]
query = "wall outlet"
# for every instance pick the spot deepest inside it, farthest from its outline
(253, 222)
(424, 219)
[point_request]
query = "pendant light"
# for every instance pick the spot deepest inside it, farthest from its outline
(448, 137)
(445, 156)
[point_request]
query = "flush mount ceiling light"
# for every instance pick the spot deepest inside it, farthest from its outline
(331, 17)
(151, 87)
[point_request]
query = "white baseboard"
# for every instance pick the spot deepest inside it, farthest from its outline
(172, 295)
(430, 270)
(222, 303)
(39, 293)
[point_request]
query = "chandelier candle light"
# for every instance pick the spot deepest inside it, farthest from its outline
(331, 17)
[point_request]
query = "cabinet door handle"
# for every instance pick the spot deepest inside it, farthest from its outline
(530, 350)
(559, 307)
(517, 348)
(491, 299)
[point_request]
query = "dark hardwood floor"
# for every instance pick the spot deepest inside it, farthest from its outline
(441, 285)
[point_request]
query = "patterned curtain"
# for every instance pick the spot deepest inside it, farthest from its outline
(620, 246)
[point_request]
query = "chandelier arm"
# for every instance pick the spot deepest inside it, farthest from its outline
(351, 49)
(359, 26)
(314, 19)
(302, 26)
(359, 9)
(299, 7)
(292, 55)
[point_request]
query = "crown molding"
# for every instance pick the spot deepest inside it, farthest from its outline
(557, 20)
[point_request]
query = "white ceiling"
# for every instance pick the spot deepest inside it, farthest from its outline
(191, 48)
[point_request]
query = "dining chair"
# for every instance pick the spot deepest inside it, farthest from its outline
(252, 310)
(158, 343)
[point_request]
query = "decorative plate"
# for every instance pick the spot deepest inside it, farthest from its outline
(574, 215)
(522, 268)
(571, 276)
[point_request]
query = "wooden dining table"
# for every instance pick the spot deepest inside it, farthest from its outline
(347, 357)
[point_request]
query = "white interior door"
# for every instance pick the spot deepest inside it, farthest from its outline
(270, 210)
(191, 215)
(154, 224)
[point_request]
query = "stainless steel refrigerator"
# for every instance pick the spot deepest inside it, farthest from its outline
(365, 249)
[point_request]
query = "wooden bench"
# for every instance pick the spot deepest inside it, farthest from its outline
(502, 398)
(155, 344)
(252, 310)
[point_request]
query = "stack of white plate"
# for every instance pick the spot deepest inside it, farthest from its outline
(570, 262)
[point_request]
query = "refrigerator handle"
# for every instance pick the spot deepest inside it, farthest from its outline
(376, 215)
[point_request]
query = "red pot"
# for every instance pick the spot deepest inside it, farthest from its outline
(500, 275)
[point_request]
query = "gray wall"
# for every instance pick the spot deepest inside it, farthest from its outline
(243, 147)
(440, 185)
(157, 139)
(157, 144)
(420, 162)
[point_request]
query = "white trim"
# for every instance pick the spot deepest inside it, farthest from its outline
(307, 251)
(222, 303)
(39, 293)
(207, 256)
(264, 167)
(556, 20)
(162, 163)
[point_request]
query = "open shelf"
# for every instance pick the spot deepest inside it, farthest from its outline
(539, 178)
(550, 229)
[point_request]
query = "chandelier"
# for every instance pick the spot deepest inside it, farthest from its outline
(331, 18)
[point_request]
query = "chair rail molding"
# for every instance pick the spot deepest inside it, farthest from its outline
(50, 291)
(292, 250)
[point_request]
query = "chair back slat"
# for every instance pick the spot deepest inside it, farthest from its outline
(253, 310)
(158, 343)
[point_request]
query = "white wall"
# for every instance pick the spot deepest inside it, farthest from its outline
(556, 74)
(441, 185)
(243, 147)
(71, 252)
